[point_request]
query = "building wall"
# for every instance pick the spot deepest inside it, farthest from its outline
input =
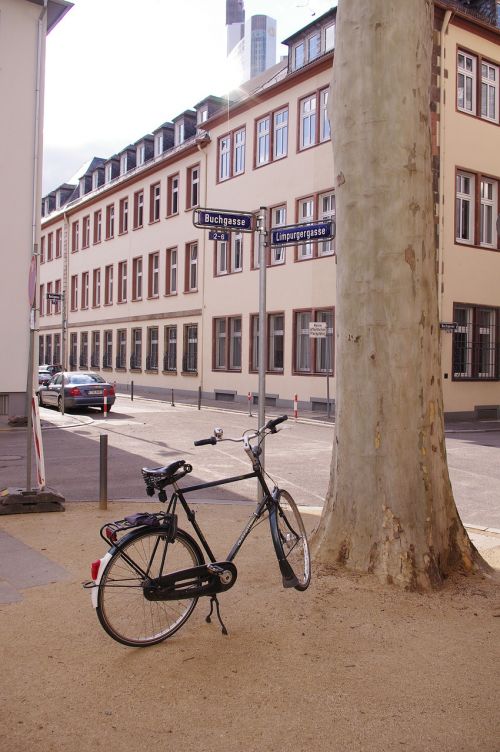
(18, 48)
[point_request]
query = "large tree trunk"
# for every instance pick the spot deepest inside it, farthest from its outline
(390, 508)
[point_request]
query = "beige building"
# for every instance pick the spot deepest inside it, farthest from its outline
(23, 28)
(151, 298)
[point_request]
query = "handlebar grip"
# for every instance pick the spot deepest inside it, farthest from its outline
(271, 424)
(211, 440)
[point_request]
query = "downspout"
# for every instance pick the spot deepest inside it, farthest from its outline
(442, 142)
(34, 239)
(202, 150)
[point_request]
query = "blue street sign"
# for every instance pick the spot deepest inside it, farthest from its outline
(220, 219)
(218, 235)
(294, 234)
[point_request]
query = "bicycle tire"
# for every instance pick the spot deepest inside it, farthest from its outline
(124, 612)
(290, 539)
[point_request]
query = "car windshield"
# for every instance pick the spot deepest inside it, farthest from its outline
(84, 378)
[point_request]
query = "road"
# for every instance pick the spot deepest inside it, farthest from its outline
(148, 433)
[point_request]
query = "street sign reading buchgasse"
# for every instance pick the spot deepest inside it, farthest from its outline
(220, 219)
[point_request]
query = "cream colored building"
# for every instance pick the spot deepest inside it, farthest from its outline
(23, 27)
(152, 299)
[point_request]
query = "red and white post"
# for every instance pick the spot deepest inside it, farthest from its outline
(250, 404)
(295, 407)
(37, 440)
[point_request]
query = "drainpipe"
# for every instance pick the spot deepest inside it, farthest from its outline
(34, 239)
(444, 30)
(201, 148)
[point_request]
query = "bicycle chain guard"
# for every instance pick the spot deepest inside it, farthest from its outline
(207, 579)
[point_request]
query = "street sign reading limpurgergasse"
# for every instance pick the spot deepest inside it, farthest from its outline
(220, 219)
(294, 234)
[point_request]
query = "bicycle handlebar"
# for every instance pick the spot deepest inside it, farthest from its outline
(270, 426)
(211, 440)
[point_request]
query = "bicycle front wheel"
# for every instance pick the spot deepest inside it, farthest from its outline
(123, 610)
(290, 541)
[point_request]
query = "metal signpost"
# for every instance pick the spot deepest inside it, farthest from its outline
(318, 330)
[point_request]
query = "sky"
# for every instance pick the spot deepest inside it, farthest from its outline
(117, 69)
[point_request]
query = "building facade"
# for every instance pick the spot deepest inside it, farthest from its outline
(150, 298)
(23, 27)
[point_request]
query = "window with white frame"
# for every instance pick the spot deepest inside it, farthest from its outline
(324, 132)
(193, 186)
(121, 348)
(154, 275)
(154, 202)
(140, 154)
(138, 209)
(158, 144)
(58, 289)
(220, 341)
(263, 140)
(97, 226)
(123, 219)
(464, 207)
(254, 343)
(170, 349)
(299, 55)
(75, 236)
(122, 282)
(192, 267)
(95, 180)
(59, 241)
(85, 290)
(108, 173)
(86, 232)
(110, 221)
(225, 158)
(107, 356)
(179, 133)
(488, 213)
(136, 355)
(96, 288)
(235, 343)
(466, 82)
(306, 214)
(171, 272)
(489, 91)
(137, 278)
(329, 35)
(108, 285)
(308, 107)
(222, 257)
(95, 352)
(326, 212)
(276, 324)
(475, 349)
(278, 219)
(236, 251)
(73, 350)
(227, 343)
(313, 355)
(173, 195)
(57, 349)
(152, 349)
(239, 151)
(280, 140)
(84, 349)
(190, 351)
(74, 292)
(123, 164)
(313, 46)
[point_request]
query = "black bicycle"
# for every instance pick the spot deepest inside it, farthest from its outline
(147, 585)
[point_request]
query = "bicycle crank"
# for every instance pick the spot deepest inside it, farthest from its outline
(207, 579)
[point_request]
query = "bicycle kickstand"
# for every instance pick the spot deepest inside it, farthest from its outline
(213, 599)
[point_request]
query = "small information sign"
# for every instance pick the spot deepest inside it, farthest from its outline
(218, 235)
(54, 297)
(448, 326)
(317, 329)
(220, 219)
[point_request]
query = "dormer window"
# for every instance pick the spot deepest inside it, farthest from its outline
(141, 154)
(298, 56)
(95, 180)
(203, 115)
(82, 187)
(123, 164)
(158, 144)
(314, 46)
(46, 207)
(179, 133)
(108, 173)
(329, 37)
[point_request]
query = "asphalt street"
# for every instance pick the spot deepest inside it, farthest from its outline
(150, 433)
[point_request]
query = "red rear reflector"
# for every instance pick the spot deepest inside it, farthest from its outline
(74, 391)
(110, 535)
(94, 569)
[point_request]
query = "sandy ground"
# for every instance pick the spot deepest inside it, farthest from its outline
(346, 665)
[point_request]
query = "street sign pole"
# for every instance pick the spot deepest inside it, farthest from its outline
(327, 343)
(63, 344)
(261, 226)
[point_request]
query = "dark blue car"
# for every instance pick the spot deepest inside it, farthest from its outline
(80, 390)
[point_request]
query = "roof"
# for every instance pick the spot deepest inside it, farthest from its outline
(56, 9)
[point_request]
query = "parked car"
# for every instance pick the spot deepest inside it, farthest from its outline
(46, 373)
(81, 389)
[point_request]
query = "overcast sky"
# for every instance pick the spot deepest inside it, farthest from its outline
(117, 69)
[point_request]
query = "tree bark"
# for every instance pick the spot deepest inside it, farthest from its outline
(390, 507)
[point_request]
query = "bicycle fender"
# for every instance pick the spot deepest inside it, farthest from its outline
(289, 578)
(94, 590)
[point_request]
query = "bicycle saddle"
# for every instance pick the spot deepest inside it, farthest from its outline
(162, 476)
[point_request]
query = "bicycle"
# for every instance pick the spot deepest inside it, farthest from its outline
(149, 582)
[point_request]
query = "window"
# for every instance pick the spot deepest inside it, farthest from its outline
(313, 355)
(464, 208)
(326, 212)
(227, 343)
(170, 348)
(193, 187)
(138, 209)
(97, 226)
(41, 350)
(84, 350)
(152, 349)
(108, 173)
(191, 283)
(95, 180)
(41, 302)
(141, 154)
(179, 133)
(95, 353)
(275, 342)
(42, 250)
(306, 214)
(171, 272)
(316, 208)
(123, 219)
(308, 122)
(173, 195)
(107, 358)
(229, 255)
(190, 349)
(137, 279)
(121, 348)
(85, 290)
(280, 138)
(59, 243)
(136, 355)
(314, 46)
(123, 164)
(329, 37)
(263, 136)
(489, 91)
(73, 350)
(475, 352)
(153, 275)
(122, 282)
(74, 292)
(96, 288)
(57, 307)
(57, 349)
(324, 132)
(49, 302)
(466, 82)
(108, 285)
(278, 219)
(75, 236)
(158, 144)
(488, 213)
(110, 221)
(48, 348)
(86, 232)
(298, 56)
(50, 238)
(232, 154)
(477, 86)
(154, 203)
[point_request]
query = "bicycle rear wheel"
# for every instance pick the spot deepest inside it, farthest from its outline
(123, 610)
(290, 540)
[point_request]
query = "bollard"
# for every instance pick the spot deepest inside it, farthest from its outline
(173, 403)
(250, 404)
(103, 471)
(199, 398)
(105, 406)
(295, 407)
(132, 391)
